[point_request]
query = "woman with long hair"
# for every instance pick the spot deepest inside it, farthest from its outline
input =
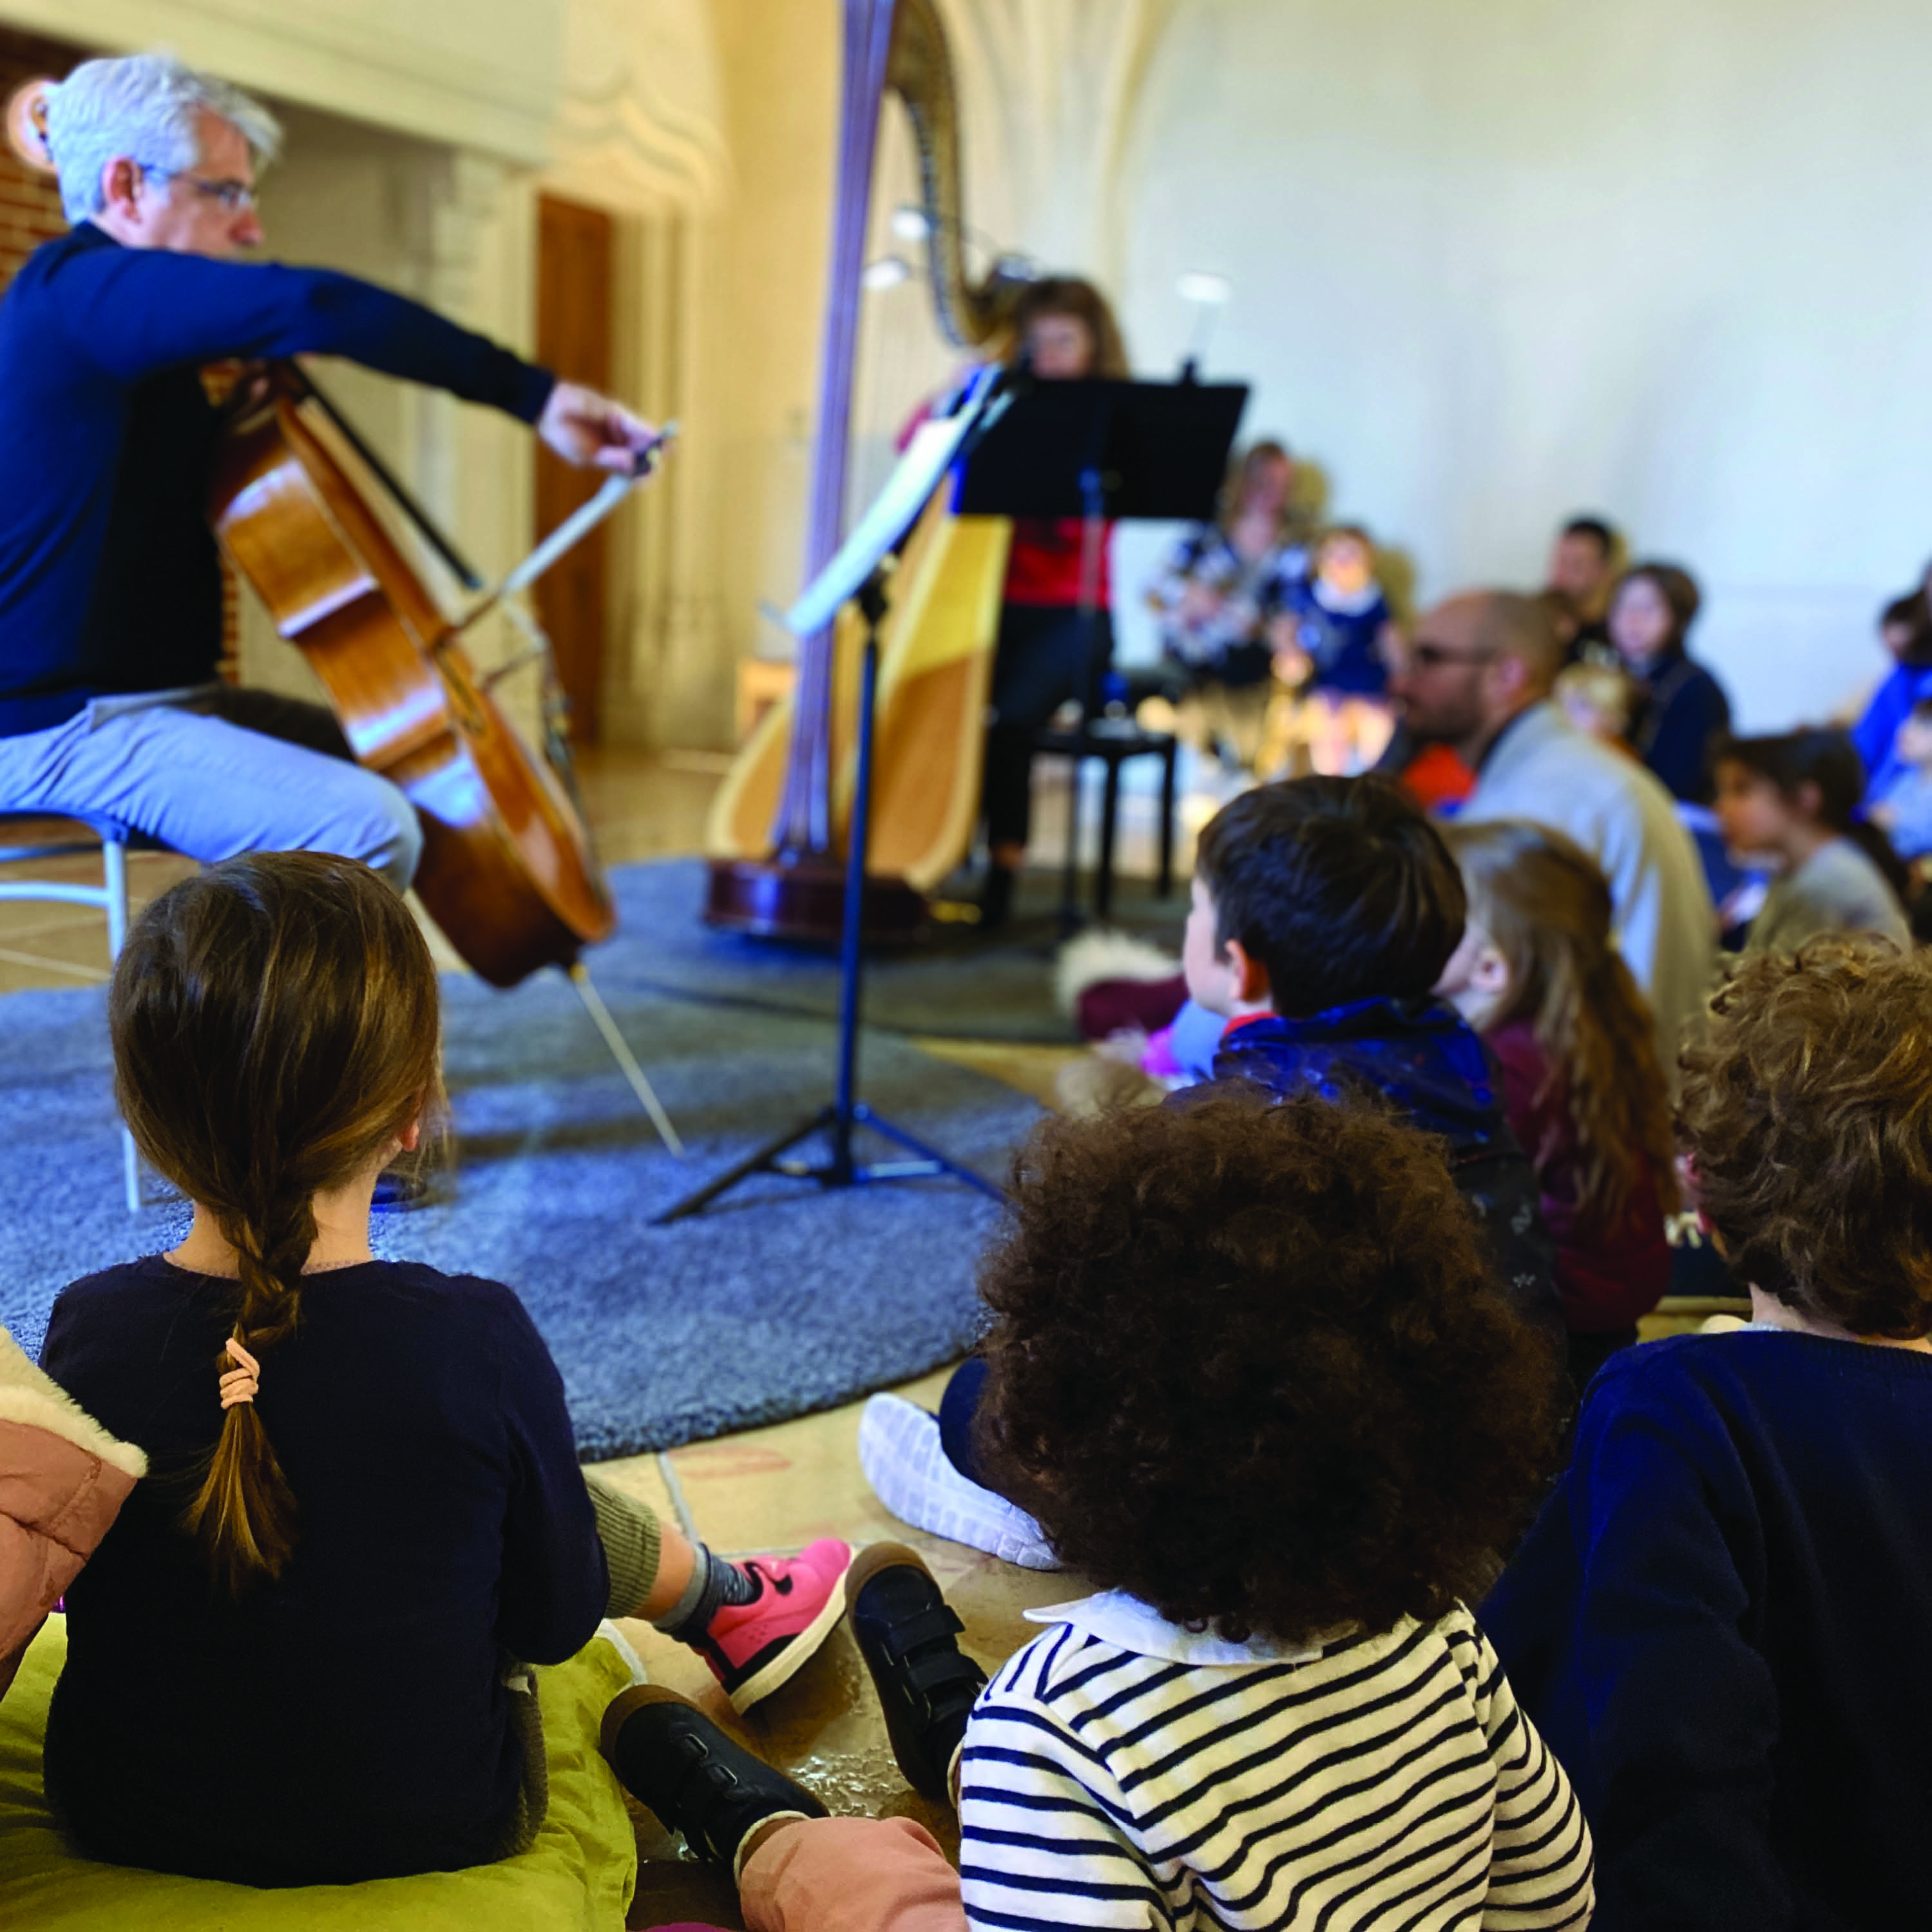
(1056, 636)
(1683, 708)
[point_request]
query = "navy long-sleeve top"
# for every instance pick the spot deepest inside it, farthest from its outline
(346, 1721)
(109, 579)
(1685, 711)
(1718, 1623)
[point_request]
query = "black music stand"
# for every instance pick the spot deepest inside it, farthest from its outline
(847, 1113)
(1102, 452)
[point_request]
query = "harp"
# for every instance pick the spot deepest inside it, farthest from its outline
(776, 838)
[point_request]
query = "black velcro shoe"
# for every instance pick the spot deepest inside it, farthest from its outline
(668, 1753)
(927, 1685)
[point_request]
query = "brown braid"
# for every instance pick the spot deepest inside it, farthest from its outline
(1542, 901)
(275, 1027)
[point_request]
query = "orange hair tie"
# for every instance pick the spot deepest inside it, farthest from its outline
(240, 1385)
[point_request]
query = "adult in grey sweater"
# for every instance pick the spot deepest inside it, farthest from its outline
(1478, 677)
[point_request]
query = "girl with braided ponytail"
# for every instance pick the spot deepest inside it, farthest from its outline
(1539, 976)
(292, 1659)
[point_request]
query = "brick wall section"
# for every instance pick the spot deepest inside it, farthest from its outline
(30, 209)
(30, 214)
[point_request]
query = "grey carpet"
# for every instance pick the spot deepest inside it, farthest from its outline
(962, 984)
(782, 1299)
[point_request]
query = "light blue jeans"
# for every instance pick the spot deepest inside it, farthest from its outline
(214, 772)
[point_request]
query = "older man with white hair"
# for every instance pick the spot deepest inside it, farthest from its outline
(110, 591)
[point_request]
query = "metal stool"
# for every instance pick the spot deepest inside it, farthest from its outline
(112, 839)
(1113, 741)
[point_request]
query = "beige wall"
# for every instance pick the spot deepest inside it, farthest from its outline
(476, 73)
(1492, 263)
(1496, 262)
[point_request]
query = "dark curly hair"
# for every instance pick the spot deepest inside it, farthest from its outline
(1340, 888)
(1247, 1365)
(1808, 1112)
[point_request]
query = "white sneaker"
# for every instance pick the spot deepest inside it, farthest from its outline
(899, 1450)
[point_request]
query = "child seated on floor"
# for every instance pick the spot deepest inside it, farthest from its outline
(1715, 1619)
(1792, 803)
(290, 1660)
(1538, 975)
(1325, 911)
(1248, 1370)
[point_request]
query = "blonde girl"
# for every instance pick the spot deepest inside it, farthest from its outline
(1539, 976)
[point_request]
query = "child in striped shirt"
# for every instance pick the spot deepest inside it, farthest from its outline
(1249, 1375)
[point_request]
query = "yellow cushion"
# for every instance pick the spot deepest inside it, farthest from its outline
(578, 1876)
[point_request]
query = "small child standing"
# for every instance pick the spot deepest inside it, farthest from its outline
(1539, 977)
(287, 1661)
(1328, 646)
(1247, 1370)
(1714, 1621)
(1793, 803)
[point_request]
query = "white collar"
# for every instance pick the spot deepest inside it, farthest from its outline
(1115, 1617)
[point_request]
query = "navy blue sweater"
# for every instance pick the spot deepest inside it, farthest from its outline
(347, 1721)
(1718, 1624)
(1422, 1057)
(1684, 709)
(109, 580)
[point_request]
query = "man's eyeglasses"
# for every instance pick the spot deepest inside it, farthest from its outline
(236, 197)
(1429, 657)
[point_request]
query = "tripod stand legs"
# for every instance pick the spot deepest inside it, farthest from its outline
(840, 1170)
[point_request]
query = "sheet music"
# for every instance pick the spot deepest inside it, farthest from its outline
(893, 512)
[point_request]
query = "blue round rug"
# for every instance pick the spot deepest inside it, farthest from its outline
(782, 1299)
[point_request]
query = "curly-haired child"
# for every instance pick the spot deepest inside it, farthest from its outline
(1538, 975)
(1713, 1619)
(1248, 1371)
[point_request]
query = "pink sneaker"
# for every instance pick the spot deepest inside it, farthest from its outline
(754, 1648)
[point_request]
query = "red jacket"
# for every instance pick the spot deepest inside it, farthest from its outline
(63, 1479)
(1606, 1283)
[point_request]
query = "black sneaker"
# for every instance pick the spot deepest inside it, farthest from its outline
(926, 1683)
(668, 1753)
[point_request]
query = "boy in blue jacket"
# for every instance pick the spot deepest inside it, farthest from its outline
(1714, 1621)
(1325, 910)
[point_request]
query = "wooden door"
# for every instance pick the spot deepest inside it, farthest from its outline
(573, 291)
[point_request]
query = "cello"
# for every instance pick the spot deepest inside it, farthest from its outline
(507, 872)
(776, 836)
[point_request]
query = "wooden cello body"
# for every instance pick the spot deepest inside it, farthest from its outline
(507, 870)
(777, 833)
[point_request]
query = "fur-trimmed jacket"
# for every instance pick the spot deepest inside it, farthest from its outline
(63, 1479)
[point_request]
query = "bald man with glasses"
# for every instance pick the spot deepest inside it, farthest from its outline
(110, 584)
(1477, 676)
